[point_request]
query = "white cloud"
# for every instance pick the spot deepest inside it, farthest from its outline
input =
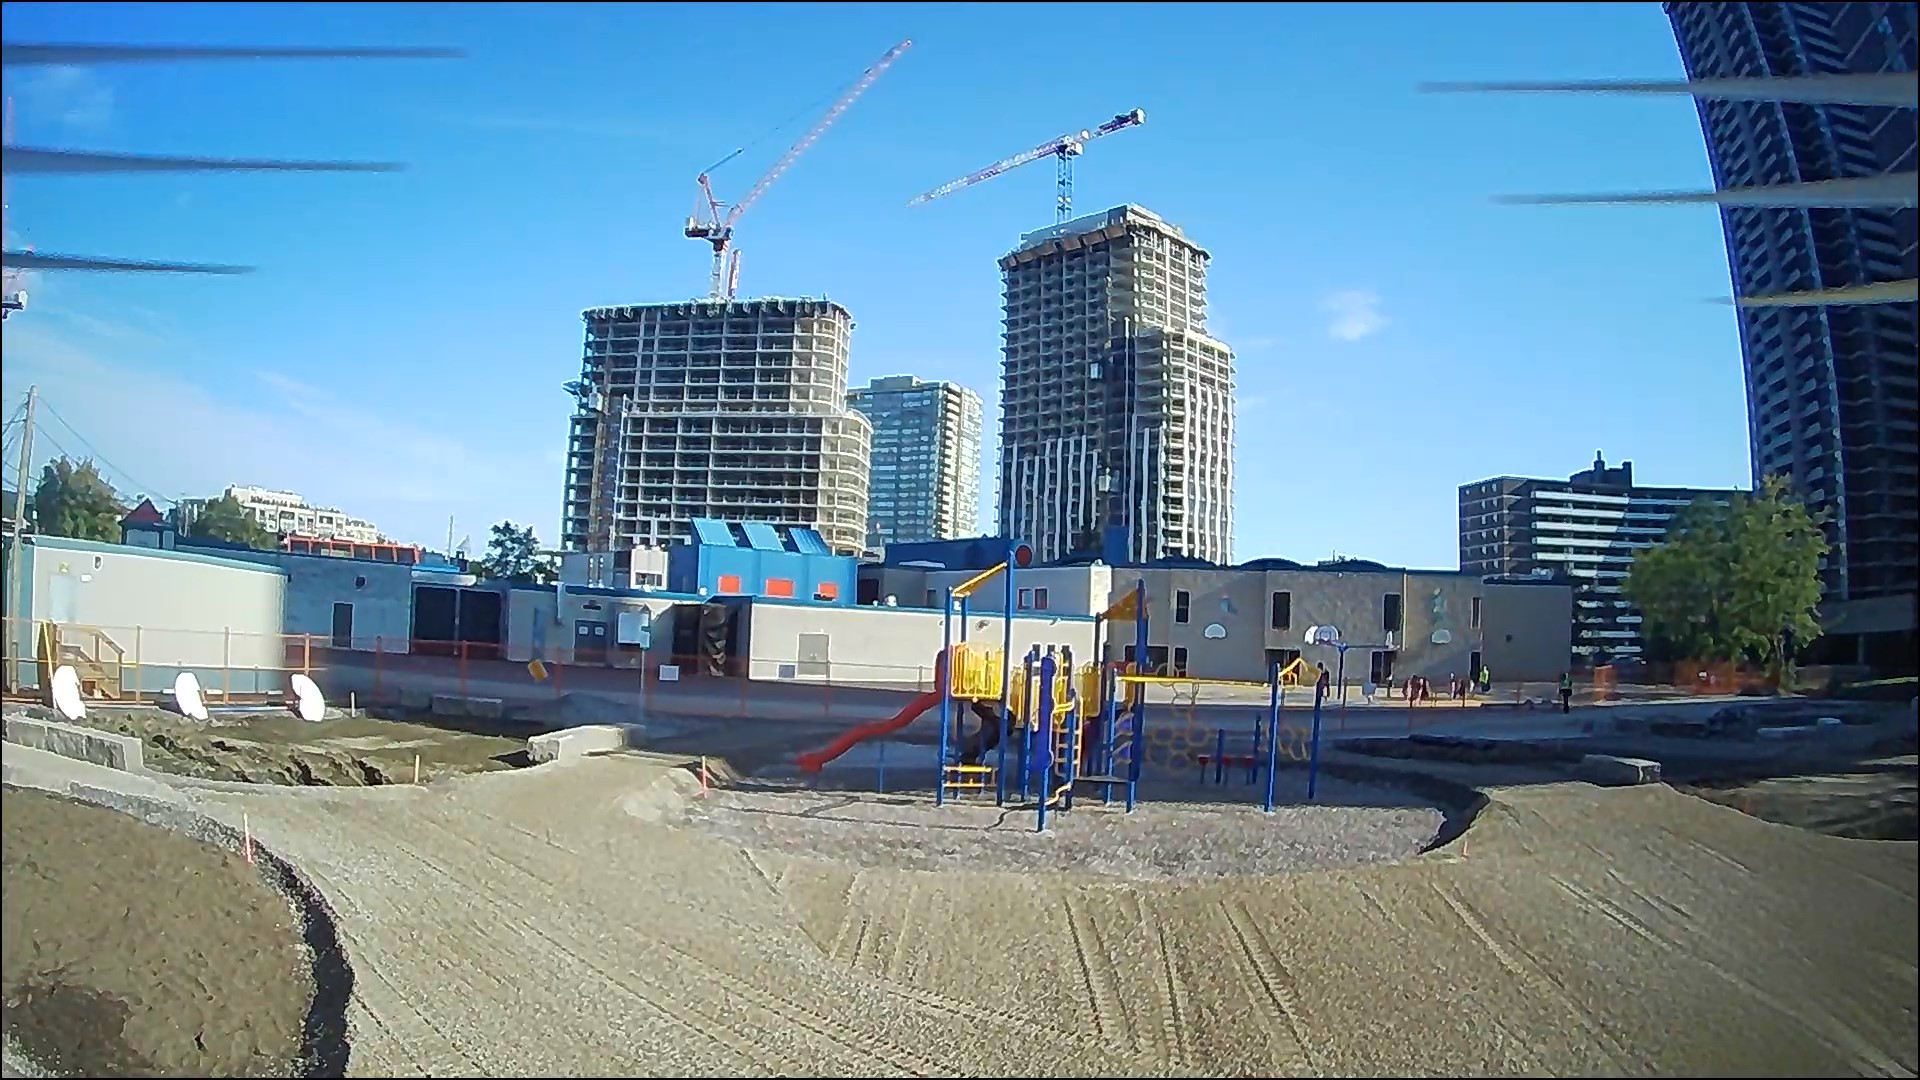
(129, 391)
(1353, 314)
(72, 97)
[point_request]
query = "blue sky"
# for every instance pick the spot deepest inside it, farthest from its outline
(400, 352)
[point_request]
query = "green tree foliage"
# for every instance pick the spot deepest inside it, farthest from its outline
(514, 553)
(225, 519)
(73, 499)
(1731, 581)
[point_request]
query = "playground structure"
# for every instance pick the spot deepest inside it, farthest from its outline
(1070, 725)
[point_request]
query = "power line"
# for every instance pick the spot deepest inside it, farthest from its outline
(94, 452)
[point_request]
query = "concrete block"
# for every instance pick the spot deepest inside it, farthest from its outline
(577, 741)
(121, 752)
(1608, 769)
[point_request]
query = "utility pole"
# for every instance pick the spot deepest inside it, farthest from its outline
(19, 532)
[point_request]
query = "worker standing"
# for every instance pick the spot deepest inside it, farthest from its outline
(1566, 691)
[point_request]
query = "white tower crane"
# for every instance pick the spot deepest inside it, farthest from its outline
(717, 229)
(1063, 149)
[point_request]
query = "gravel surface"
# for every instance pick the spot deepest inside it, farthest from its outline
(562, 921)
(1350, 824)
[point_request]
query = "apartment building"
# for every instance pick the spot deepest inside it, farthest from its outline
(1833, 392)
(728, 409)
(1586, 530)
(284, 513)
(925, 477)
(1116, 427)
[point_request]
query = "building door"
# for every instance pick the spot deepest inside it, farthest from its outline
(1473, 668)
(589, 642)
(61, 598)
(342, 626)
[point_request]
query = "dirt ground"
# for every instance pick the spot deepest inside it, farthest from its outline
(132, 950)
(1878, 801)
(278, 748)
(601, 916)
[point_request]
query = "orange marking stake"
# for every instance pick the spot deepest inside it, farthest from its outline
(246, 843)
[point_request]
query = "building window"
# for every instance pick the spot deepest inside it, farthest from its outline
(1281, 659)
(933, 598)
(1025, 600)
(1040, 598)
(728, 583)
(778, 586)
(1280, 611)
(1179, 661)
(1473, 620)
(1390, 620)
(826, 590)
(1182, 604)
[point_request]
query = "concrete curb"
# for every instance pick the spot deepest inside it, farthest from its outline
(122, 752)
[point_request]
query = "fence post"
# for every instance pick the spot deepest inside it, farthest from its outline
(306, 655)
(379, 650)
(463, 668)
(139, 673)
(226, 664)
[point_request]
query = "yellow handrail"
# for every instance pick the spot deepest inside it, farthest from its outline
(966, 587)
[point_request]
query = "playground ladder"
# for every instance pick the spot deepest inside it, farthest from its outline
(964, 778)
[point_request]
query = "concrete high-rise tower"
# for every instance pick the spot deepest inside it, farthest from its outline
(1833, 393)
(1116, 408)
(926, 459)
(732, 409)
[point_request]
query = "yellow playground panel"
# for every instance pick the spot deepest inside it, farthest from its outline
(974, 674)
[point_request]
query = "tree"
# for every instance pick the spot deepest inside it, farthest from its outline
(225, 519)
(514, 553)
(75, 500)
(1735, 582)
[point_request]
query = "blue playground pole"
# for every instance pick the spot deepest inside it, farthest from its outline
(880, 782)
(945, 679)
(1137, 751)
(1273, 733)
(1040, 763)
(1006, 684)
(1027, 704)
(1219, 755)
(1313, 752)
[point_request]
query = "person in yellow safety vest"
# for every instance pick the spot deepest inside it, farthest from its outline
(1566, 691)
(1486, 679)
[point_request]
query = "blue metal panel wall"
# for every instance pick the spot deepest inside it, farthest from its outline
(694, 566)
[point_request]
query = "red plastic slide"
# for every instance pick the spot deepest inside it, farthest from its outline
(814, 761)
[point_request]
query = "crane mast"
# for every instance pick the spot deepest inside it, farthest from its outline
(1062, 149)
(716, 227)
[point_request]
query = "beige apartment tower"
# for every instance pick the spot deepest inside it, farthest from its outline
(1116, 428)
(731, 409)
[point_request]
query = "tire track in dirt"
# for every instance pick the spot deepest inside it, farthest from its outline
(737, 1055)
(819, 1026)
(1110, 1020)
(1521, 965)
(1278, 1003)
(1176, 1010)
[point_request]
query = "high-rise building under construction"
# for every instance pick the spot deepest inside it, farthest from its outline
(1116, 428)
(732, 409)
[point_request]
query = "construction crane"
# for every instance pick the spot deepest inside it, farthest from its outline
(717, 229)
(1063, 150)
